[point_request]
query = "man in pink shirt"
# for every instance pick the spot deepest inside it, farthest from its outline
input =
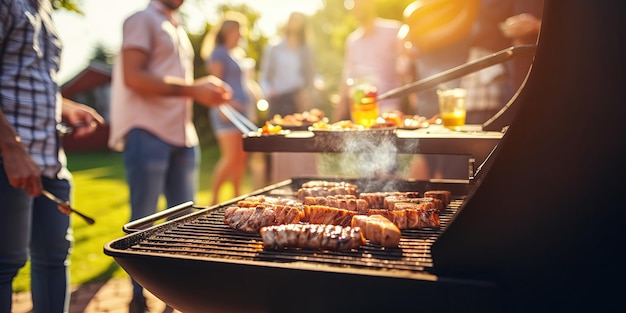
(151, 112)
(371, 55)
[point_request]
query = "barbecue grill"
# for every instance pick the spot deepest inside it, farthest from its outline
(539, 228)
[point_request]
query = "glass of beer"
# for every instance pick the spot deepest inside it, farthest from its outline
(452, 107)
(364, 108)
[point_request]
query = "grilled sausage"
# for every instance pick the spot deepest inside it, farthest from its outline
(311, 236)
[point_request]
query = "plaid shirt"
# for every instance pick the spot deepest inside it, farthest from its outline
(29, 94)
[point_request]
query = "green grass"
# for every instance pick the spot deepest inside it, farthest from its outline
(100, 192)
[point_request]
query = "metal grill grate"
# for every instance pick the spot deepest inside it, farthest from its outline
(206, 236)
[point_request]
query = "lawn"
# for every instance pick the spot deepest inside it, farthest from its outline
(100, 192)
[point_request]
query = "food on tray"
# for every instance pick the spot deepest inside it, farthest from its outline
(270, 129)
(298, 119)
(322, 214)
(311, 236)
(251, 219)
(348, 202)
(337, 126)
(378, 229)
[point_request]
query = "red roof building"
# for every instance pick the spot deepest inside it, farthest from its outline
(92, 86)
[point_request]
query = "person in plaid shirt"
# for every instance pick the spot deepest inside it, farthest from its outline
(31, 156)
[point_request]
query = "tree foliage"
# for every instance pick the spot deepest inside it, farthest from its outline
(70, 5)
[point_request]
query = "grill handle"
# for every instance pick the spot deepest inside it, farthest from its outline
(145, 222)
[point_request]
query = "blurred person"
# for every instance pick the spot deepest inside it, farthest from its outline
(488, 89)
(222, 55)
(438, 34)
(31, 156)
(287, 68)
(371, 55)
(287, 75)
(152, 97)
(522, 28)
(371, 59)
(500, 24)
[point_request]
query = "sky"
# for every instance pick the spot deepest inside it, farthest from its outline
(102, 24)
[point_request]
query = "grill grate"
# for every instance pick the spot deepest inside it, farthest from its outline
(206, 236)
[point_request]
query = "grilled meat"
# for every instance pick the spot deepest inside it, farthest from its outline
(252, 218)
(249, 219)
(410, 215)
(443, 195)
(321, 214)
(311, 236)
(390, 201)
(376, 200)
(348, 202)
(378, 229)
(269, 200)
(322, 188)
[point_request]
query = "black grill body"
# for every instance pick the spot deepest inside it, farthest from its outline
(196, 262)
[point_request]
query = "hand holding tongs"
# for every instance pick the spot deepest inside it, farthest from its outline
(241, 122)
(65, 207)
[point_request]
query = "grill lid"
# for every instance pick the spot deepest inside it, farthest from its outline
(542, 219)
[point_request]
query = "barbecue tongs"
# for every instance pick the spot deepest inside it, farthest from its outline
(242, 123)
(65, 206)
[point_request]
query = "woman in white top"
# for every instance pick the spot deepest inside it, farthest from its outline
(287, 68)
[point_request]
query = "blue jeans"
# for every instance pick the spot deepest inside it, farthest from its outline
(154, 167)
(35, 226)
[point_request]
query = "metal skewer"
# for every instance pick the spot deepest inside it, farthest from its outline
(66, 206)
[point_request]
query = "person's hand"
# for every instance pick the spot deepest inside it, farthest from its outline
(82, 118)
(521, 25)
(21, 169)
(211, 91)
